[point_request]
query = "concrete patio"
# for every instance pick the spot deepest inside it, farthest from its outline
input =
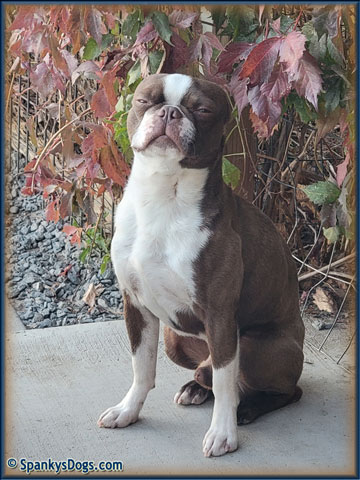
(58, 381)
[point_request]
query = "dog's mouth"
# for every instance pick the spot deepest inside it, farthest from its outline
(162, 140)
(163, 136)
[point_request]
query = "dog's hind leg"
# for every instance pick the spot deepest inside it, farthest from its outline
(259, 403)
(270, 368)
(191, 353)
(143, 330)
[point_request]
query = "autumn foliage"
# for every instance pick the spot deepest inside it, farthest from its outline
(269, 59)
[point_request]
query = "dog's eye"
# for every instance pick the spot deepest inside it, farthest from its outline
(203, 110)
(141, 100)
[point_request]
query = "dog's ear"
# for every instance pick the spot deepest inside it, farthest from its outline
(132, 123)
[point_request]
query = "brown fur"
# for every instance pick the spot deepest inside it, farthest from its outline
(135, 323)
(245, 278)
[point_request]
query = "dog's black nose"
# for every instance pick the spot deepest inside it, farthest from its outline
(168, 113)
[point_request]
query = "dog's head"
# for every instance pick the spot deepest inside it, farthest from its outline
(178, 117)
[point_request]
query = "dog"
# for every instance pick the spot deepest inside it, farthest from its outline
(209, 265)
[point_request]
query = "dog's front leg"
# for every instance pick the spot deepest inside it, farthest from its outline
(222, 435)
(143, 330)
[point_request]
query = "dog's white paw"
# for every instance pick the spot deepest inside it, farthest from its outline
(218, 442)
(191, 394)
(119, 416)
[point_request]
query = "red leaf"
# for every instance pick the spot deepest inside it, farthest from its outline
(66, 269)
(66, 205)
(30, 165)
(110, 19)
(260, 127)
(36, 40)
(182, 19)
(71, 61)
(195, 48)
(94, 24)
(108, 82)
(291, 50)
(69, 229)
(52, 214)
(212, 40)
(201, 48)
(341, 170)
(146, 34)
(308, 79)
(73, 28)
(266, 109)
(114, 165)
(76, 238)
(58, 59)
(261, 60)
(74, 233)
(100, 104)
(238, 89)
(233, 54)
(28, 191)
(275, 25)
(89, 67)
(26, 17)
(46, 79)
(176, 55)
(278, 85)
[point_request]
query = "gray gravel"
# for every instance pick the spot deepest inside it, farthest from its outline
(37, 253)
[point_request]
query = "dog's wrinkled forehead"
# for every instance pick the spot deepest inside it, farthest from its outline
(169, 89)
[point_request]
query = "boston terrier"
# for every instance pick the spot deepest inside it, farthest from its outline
(209, 265)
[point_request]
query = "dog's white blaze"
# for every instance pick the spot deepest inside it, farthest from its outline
(222, 434)
(158, 235)
(144, 369)
(175, 88)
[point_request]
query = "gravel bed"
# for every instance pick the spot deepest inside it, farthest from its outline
(37, 253)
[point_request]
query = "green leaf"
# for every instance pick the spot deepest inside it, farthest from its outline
(84, 253)
(155, 60)
(334, 52)
(322, 192)
(218, 16)
(105, 261)
(317, 47)
(331, 234)
(242, 23)
(301, 106)
(116, 30)
(91, 50)
(162, 26)
(286, 23)
(332, 98)
(134, 73)
(308, 30)
(131, 26)
(106, 41)
(230, 173)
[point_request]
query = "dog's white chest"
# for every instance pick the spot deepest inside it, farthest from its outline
(158, 236)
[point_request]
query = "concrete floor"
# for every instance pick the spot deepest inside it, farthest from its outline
(60, 379)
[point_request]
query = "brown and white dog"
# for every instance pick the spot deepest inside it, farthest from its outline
(209, 265)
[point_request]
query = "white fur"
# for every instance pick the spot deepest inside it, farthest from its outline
(222, 436)
(144, 368)
(158, 235)
(175, 87)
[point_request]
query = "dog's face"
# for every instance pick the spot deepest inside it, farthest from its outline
(178, 117)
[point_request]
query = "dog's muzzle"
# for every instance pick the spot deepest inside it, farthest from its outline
(167, 127)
